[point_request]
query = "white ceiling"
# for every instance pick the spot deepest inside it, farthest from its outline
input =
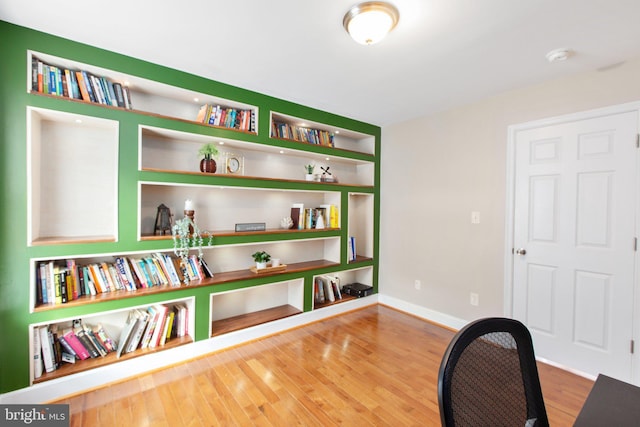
(442, 54)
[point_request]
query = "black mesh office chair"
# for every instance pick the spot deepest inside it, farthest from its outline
(488, 377)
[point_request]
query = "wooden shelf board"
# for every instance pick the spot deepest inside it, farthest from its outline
(146, 113)
(64, 240)
(219, 278)
(228, 233)
(85, 365)
(261, 178)
(345, 298)
(242, 321)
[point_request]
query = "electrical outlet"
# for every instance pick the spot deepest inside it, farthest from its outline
(474, 299)
(417, 284)
(475, 217)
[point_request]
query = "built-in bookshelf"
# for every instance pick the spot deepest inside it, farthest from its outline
(62, 150)
(327, 288)
(72, 345)
(170, 151)
(243, 308)
(99, 169)
(298, 129)
(142, 95)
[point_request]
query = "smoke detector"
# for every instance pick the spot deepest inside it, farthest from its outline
(559, 54)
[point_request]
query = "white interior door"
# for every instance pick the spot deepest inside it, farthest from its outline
(574, 237)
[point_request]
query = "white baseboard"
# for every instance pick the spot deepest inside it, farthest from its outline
(84, 381)
(422, 312)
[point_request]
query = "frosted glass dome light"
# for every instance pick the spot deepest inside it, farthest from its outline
(368, 23)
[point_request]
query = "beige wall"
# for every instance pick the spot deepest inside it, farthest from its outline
(437, 169)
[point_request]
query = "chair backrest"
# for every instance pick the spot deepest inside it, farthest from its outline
(489, 377)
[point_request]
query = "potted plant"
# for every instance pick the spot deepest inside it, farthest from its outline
(208, 151)
(187, 236)
(309, 168)
(261, 258)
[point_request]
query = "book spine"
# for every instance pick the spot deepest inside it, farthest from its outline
(75, 287)
(66, 346)
(89, 86)
(43, 282)
(102, 351)
(86, 342)
(40, 77)
(47, 349)
(34, 74)
(58, 285)
(73, 341)
(82, 85)
(117, 89)
(159, 327)
(38, 367)
(127, 97)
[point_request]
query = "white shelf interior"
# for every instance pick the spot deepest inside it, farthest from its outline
(221, 208)
(178, 151)
(361, 222)
(248, 300)
(238, 257)
(343, 138)
(72, 176)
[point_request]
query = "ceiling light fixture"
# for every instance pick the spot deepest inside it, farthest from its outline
(369, 22)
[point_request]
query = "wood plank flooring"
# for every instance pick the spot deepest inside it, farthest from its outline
(374, 366)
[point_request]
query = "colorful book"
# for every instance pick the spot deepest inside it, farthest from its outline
(159, 327)
(77, 346)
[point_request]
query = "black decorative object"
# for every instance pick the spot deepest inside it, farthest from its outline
(163, 221)
(327, 176)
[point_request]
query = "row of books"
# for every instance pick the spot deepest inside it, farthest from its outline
(153, 327)
(301, 134)
(78, 84)
(55, 345)
(325, 216)
(326, 289)
(227, 117)
(58, 282)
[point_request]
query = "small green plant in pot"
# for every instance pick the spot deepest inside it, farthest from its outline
(208, 151)
(309, 168)
(261, 258)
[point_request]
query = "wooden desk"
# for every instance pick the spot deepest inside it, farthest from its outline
(610, 403)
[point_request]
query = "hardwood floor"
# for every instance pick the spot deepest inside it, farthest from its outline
(374, 366)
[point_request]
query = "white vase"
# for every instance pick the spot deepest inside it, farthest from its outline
(261, 265)
(309, 177)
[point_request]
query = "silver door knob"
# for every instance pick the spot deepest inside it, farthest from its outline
(521, 251)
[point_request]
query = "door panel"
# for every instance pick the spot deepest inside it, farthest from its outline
(574, 214)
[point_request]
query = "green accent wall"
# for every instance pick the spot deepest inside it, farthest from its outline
(15, 254)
